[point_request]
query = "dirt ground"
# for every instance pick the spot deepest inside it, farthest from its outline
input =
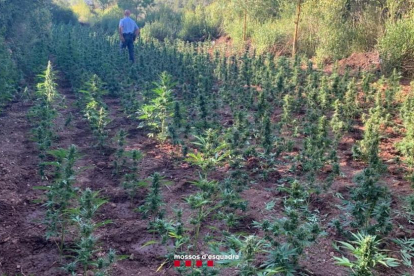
(25, 251)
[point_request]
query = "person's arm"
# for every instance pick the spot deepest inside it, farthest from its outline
(121, 36)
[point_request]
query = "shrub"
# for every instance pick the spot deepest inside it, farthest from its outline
(198, 25)
(270, 35)
(162, 23)
(396, 46)
(108, 21)
(62, 15)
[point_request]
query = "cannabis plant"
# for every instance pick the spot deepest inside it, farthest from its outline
(87, 246)
(365, 250)
(132, 181)
(247, 248)
(159, 110)
(60, 194)
(290, 235)
(98, 120)
(120, 158)
(212, 151)
(153, 201)
(369, 205)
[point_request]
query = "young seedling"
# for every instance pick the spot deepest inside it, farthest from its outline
(132, 182)
(120, 158)
(153, 201)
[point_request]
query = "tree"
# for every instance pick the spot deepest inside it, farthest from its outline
(136, 6)
(104, 4)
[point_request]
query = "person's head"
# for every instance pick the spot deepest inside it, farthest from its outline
(127, 13)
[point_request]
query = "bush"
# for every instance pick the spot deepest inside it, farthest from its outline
(162, 23)
(108, 21)
(8, 74)
(396, 46)
(82, 11)
(61, 15)
(271, 35)
(199, 25)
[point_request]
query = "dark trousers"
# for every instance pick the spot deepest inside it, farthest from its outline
(129, 43)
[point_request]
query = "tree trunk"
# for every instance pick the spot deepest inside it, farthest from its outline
(295, 37)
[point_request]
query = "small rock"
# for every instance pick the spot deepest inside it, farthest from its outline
(332, 254)
(131, 257)
(123, 249)
(18, 266)
(113, 205)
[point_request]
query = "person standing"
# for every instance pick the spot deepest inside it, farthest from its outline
(128, 32)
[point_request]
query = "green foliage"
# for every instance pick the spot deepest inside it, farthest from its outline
(8, 74)
(369, 145)
(153, 201)
(406, 251)
(120, 158)
(158, 112)
(44, 112)
(297, 230)
(407, 209)
(370, 205)
(247, 249)
(87, 245)
(365, 249)
(396, 46)
(27, 36)
(162, 23)
(62, 15)
(94, 108)
(196, 26)
(136, 6)
(60, 194)
(132, 181)
(98, 120)
(406, 145)
(212, 151)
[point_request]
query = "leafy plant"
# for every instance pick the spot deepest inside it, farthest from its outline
(120, 158)
(365, 250)
(247, 249)
(406, 251)
(153, 201)
(290, 235)
(369, 206)
(158, 112)
(60, 195)
(212, 151)
(87, 245)
(132, 181)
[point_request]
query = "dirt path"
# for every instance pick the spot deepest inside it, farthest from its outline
(22, 246)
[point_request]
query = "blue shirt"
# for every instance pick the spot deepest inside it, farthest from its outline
(128, 25)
